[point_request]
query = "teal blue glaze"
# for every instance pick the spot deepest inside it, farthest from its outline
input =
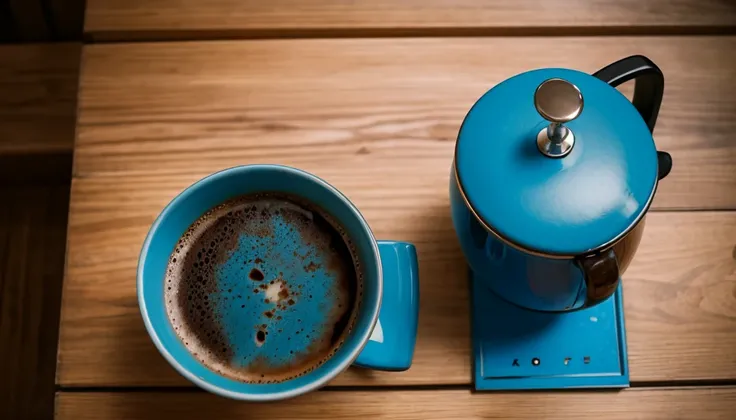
(285, 259)
(391, 345)
(504, 333)
(544, 284)
(205, 194)
(565, 206)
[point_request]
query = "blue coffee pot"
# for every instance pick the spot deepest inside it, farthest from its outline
(553, 174)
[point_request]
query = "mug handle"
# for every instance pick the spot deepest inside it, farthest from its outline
(648, 92)
(391, 344)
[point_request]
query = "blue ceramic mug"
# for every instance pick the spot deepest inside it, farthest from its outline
(383, 333)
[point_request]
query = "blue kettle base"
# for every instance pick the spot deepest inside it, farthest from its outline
(519, 349)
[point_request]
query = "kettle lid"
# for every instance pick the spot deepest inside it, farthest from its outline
(556, 161)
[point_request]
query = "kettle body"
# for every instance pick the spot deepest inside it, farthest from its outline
(551, 226)
(526, 279)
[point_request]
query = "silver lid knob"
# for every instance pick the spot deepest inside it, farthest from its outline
(557, 101)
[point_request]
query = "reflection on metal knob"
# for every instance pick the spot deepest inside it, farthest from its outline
(559, 102)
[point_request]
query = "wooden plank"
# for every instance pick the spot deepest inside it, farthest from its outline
(115, 19)
(38, 101)
(680, 309)
(375, 106)
(638, 403)
(32, 240)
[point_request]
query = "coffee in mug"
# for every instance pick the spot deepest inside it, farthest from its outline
(263, 288)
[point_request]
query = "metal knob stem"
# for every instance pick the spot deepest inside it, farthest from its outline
(557, 101)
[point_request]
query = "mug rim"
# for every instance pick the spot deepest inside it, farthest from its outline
(348, 359)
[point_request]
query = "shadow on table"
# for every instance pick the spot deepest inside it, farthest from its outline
(37, 118)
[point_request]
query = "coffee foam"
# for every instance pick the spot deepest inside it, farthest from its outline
(204, 245)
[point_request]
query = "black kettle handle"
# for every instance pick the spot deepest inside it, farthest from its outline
(648, 91)
(648, 88)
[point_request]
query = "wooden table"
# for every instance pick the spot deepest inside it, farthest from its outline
(37, 118)
(344, 93)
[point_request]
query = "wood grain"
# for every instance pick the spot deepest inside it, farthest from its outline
(360, 107)
(679, 290)
(377, 118)
(38, 101)
(166, 19)
(638, 403)
(32, 240)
